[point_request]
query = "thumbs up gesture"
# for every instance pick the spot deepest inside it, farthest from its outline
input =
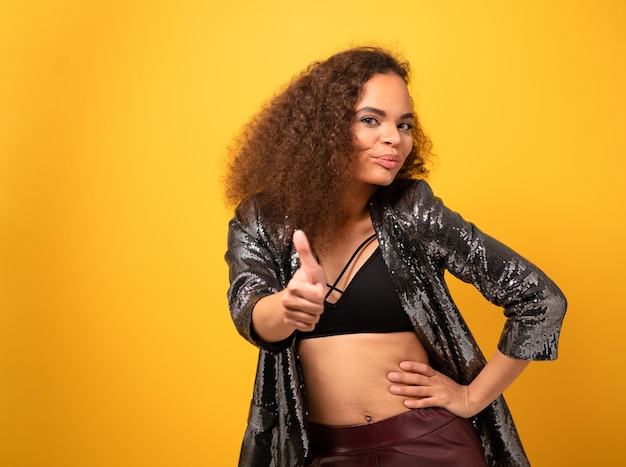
(303, 299)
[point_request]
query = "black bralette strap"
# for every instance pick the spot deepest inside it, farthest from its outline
(333, 287)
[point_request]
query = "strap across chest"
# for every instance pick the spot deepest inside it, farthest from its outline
(368, 304)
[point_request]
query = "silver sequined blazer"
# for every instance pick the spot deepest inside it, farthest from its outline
(419, 238)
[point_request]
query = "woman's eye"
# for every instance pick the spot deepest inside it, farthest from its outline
(405, 126)
(369, 120)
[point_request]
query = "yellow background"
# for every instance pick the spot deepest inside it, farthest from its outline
(116, 345)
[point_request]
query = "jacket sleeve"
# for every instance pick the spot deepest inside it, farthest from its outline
(254, 273)
(533, 304)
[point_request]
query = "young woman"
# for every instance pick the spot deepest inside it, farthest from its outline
(337, 254)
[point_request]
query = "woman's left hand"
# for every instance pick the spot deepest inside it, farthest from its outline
(425, 387)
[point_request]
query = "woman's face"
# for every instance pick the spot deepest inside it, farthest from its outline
(382, 129)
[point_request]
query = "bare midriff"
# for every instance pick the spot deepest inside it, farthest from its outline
(346, 375)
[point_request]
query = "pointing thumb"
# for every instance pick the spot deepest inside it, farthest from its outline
(308, 263)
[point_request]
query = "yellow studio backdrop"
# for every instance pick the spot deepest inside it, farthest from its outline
(116, 345)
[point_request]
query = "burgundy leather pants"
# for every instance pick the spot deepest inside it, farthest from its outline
(430, 437)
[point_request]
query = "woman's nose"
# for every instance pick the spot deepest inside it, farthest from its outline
(391, 136)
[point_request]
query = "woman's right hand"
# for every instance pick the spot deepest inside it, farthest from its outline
(303, 298)
(297, 307)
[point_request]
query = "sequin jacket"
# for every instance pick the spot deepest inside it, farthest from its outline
(419, 238)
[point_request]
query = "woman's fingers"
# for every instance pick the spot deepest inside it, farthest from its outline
(302, 294)
(304, 298)
(413, 373)
(423, 387)
(418, 367)
(308, 263)
(302, 321)
(416, 380)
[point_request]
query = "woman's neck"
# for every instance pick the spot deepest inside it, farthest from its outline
(356, 202)
(352, 219)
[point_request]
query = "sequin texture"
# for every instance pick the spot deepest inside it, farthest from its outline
(420, 239)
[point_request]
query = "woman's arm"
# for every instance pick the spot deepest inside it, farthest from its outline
(533, 304)
(425, 387)
(297, 307)
(265, 312)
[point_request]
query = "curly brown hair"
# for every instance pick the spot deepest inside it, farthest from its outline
(297, 149)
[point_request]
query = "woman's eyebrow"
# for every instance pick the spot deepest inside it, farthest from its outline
(382, 113)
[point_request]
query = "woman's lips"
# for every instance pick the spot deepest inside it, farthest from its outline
(388, 161)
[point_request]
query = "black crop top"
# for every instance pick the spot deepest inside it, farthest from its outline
(369, 304)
